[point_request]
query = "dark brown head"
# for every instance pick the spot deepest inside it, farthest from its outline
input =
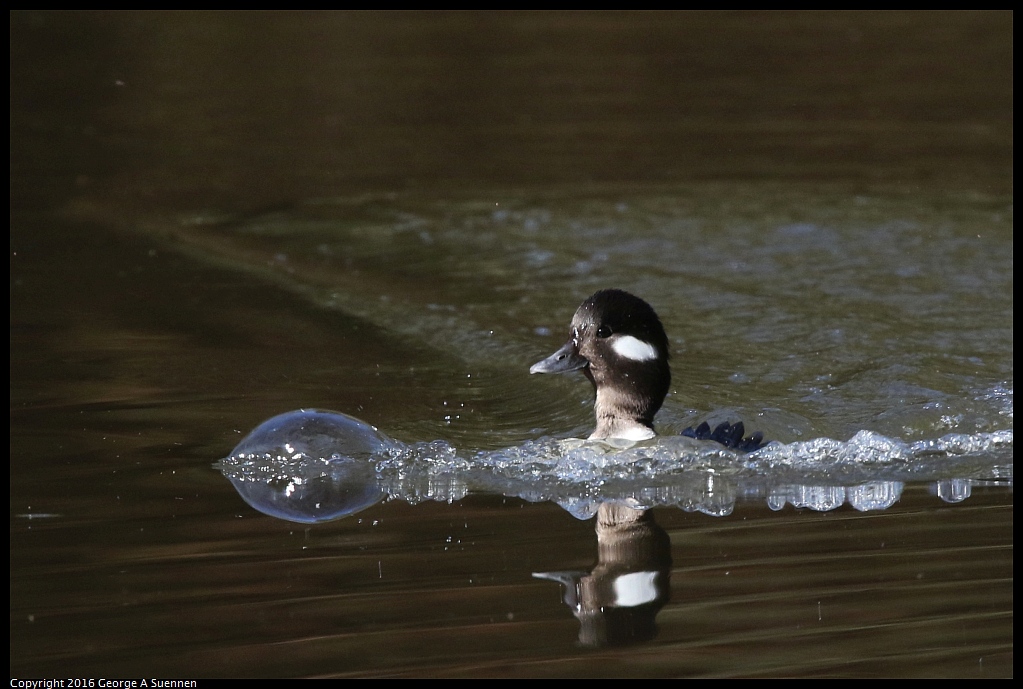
(618, 342)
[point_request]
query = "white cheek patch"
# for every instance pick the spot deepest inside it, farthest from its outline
(634, 348)
(635, 589)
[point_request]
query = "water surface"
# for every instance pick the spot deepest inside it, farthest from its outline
(217, 218)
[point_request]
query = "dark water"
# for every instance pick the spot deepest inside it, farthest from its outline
(216, 218)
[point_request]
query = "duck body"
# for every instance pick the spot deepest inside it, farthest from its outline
(617, 341)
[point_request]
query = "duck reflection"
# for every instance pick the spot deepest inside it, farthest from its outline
(617, 601)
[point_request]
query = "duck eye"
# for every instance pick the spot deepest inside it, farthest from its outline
(604, 331)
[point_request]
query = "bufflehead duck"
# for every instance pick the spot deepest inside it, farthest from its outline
(619, 344)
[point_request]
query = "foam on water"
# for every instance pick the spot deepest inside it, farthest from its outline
(316, 466)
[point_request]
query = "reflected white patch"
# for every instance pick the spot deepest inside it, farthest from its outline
(634, 348)
(635, 588)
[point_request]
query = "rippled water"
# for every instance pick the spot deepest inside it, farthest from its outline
(398, 214)
(908, 336)
(836, 304)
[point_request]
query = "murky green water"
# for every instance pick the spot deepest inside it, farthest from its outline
(219, 218)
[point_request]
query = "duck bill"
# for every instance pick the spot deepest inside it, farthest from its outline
(562, 361)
